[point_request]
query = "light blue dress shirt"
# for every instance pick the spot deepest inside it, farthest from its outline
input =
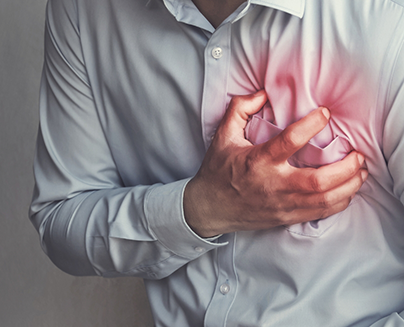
(131, 95)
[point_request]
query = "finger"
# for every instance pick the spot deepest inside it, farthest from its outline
(331, 198)
(306, 215)
(296, 135)
(240, 108)
(328, 177)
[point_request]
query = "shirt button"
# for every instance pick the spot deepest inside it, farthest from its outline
(199, 249)
(224, 288)
(217, 53)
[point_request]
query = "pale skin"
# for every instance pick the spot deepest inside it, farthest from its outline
(244, 187)
(240, 186)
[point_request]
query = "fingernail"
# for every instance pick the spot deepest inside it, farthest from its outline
(361, 158)
(364, 174)
(326, 112)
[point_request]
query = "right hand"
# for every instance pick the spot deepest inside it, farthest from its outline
(240, 186)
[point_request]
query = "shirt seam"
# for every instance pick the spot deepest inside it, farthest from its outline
(390, 73)
(236, 278)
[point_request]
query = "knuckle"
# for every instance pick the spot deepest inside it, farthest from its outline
(324, 214)
(290, 138)
(352, 165)
(278, 219)
(325, 200)
(341, 206)
(316, 183)
(289, 207)
(270, 150)
(251, 163)
(266, 194)
(277, 207)
(352, 168)
(285, 210)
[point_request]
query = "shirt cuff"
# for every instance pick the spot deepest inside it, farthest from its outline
(165, 215)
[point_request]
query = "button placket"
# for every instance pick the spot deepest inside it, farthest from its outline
(226, 285)
(217, 63)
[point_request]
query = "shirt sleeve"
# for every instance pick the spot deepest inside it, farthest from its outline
(393, 147)
(89, 222)
(393, 133)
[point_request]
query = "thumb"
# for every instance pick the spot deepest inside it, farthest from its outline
(240, 108)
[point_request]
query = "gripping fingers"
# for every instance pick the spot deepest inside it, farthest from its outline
(328, 177)
(296, 135)
(335, 174)
(305, 215)
(331, 198)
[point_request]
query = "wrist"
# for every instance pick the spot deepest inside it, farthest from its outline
(197, 210)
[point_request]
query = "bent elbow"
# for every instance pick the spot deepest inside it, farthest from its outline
(64, 245)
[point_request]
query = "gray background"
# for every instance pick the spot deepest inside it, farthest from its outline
(33, 292)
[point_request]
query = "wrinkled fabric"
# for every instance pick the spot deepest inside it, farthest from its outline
(131, 96)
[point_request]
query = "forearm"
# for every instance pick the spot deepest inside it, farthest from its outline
(137, 231)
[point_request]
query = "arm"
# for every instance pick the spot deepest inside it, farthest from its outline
(393, 148)
(89, 222)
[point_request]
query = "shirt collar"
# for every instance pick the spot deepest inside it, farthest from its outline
(293, 7)
(185, 11)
